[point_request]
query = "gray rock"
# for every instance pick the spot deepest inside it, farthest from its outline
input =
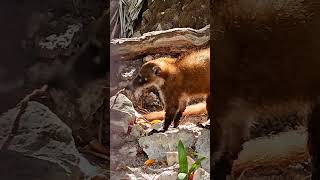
(91, 99)
(167, 175)
(122, 111)
(41, 148)
(60, 41)
(137, 131)
(147, 58)
(173, 157)
(17, 166)
(201, 174)
(156, 145)
(203, 148)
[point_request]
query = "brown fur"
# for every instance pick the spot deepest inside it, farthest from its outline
(266, 52)
(177, 81)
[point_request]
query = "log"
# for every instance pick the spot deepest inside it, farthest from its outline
(279, 151)
(177, 40)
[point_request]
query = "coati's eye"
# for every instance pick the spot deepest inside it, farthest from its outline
(145, 79)
(140, 80)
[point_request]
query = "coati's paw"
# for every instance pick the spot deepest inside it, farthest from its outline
(205, 125)
(156, 131)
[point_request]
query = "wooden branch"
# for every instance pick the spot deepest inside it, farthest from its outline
(175, 40)
(282, 150)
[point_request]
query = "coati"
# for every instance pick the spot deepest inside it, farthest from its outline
(266, 52)
(177, 81)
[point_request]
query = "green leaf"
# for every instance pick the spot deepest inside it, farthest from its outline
(195, 154)
(182, 176)
(183, 162)
(196, 165)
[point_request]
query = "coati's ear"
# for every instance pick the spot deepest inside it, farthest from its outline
(156, 70)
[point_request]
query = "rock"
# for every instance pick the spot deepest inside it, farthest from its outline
(167, 175)
(123, 148)
(156, 145)
(121, 113)
(153, 99)
(91, 99)
(128, 70)
(128, 73)
(41, 148)
(60, 41)
(57, 44)
(137, 174)
(157, 126)
(65, 108)
(203, 148)
(174, 14)
(137, 34)
(99, 177)
(201, 174)
(172, 157)
(159, 27)
(147, 58)
(137, 131)
(128, 151)
(16, 165)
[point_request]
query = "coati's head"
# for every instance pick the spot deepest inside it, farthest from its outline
(152, 73)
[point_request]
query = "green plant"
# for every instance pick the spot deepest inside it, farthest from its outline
(184, 174)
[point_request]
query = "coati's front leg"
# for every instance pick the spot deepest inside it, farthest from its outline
(172, 112)
(182, 107)
(314, 140)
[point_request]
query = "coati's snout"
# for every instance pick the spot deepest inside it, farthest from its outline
(149, 75)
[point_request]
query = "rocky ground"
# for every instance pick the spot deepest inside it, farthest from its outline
(131, 148)
(51, 130)
(278, 129)
(52, 111)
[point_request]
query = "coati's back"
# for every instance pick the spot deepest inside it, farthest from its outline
(188, 75)
(195, 72)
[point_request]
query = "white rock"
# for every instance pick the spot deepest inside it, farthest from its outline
(41, 141)
(139, 174)
(128, 151)
(122, 111)
(157, 126)
(60, 41)
(172, 158)
(137, 131)
(122, 104)
(147, 58)
(156, 145)
(201, 174)
(167, 175)
(203, 148)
